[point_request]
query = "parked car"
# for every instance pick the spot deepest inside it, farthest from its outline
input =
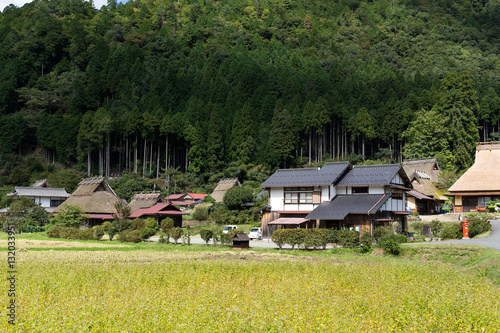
(227, 228)
(255, 233)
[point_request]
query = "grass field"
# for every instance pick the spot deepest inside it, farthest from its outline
(154, 288)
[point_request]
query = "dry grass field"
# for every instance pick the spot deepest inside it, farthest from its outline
(148, 290)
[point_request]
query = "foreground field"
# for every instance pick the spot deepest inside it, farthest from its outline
(178, 291)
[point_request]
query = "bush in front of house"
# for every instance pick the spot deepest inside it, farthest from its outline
(333, 236)
(109, 229)
(396, 237)
(70, 233)
(390, 245)
(436, 227)
(295, 237)
(279, 237)
(451, 232)
(379, 232)
(146, 233)
(315, 238)
(348, 238)
(130, 236)
(478, 223)
(366, 242)
(98, 232)
(53, 231)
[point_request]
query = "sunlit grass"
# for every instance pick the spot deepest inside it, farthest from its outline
(180, 291)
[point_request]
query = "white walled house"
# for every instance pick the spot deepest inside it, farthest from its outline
(337, 195)
(48, 198)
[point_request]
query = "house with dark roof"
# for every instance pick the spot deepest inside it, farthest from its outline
(337, 195)
(47, 197)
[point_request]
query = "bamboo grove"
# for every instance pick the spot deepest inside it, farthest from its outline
(198, 84)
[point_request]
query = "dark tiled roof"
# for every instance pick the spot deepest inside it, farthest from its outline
(343, 205)
(419, 195)
(327, 175)
(372, 175)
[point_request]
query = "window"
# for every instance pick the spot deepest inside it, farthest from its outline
(397, 196)
(482, 201)
(296, 195)
(360, 190)
(55, 202)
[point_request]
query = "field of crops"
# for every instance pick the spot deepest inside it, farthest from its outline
(177, 291)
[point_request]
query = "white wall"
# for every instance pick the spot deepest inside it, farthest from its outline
(276, 198)
(376, 190)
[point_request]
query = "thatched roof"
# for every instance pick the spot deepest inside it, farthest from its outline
(483, 176)
(422, 183)
(223, 186)
(429, 166)
(41, 183)
(94, 196)
(144, 200)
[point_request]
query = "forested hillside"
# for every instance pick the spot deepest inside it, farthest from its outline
(198, 84)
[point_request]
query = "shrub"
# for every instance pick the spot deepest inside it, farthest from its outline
(417, 227)
(451, 232)
(414, 214)
(233, 232)
(200, 213)
(224, 238)
(315, 238)
(436, 227)
(333, 236)
(390, 246)
(236, 196)
(146, 233)
(137, 224)
(295, 237)
(53, 231)
(167, 224)
(121, 224)
(109, 229)
(98, 232)
(186, 236)
(366, 242)
(69, 216)
(130, 236)
(151, 223)
(400, 239)
(278, 237)
(349, 238)
(175, 233)
(478, 223)
(379, 232)
(206, 235)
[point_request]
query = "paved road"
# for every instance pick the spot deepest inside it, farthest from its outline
(493, 240)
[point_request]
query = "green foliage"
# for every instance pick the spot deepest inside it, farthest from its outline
(200, 213)
(175, 234)
(279, 237)
(451, 232)
(98, 232)
(130, 236)
(109, 229)
(479, 223)
(379, 232)
(166, 224)
(236, 196)
(436, 227)
(315, 238)
(418, 227)
(56, 231)
(206, 235)
(69, 216)
(147, 232)
(390, 245)
(348, 238)
(366, 242)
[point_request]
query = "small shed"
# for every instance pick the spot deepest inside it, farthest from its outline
(241, 241)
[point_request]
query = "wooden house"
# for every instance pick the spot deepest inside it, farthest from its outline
(144, 200)
(337, 195)
(159, 212)
(96, 198)
(481, 182)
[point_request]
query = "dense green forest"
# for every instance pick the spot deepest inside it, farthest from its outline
(199, 85)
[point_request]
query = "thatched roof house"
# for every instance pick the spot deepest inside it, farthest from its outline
(41, 183)
(223, 186)
(95, 197)
(428, 166)
(145, 200)
(481, 183)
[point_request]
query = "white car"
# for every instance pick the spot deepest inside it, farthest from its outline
(255, 233)
(227, 228)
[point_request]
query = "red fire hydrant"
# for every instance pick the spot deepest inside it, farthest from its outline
(465, 228)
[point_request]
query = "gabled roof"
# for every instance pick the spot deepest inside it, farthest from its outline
(144, 200)
(483, 175)
(39, 192)
(364, 175)
(41, 183)
(94, 196)
(178, 196)
(158, 209)
(343, 205)
(428, 165)
(197, 196)
(223, 186)
(426, 187)
(326, 175)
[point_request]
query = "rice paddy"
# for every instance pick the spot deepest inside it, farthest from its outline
(181, 291)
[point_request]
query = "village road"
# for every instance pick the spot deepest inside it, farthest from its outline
(493, 240)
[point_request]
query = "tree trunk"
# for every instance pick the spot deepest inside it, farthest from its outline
(158, 163)
(89, 162)
(310, 135)
(144, 151)
(135, 156)
(166, 153)
(127, 157)
(100, 162)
